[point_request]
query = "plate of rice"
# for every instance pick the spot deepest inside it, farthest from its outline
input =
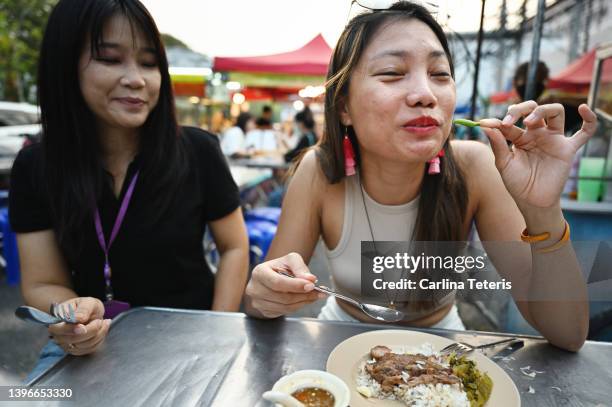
(396, 368)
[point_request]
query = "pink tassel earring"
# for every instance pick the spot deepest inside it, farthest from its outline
(349, 156)
(434, 163)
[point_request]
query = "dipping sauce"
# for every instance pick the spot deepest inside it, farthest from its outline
(314, 397)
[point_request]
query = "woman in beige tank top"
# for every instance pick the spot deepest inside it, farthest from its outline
(391, 92)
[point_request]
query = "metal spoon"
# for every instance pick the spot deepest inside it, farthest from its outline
(377, 312)
(28, 313)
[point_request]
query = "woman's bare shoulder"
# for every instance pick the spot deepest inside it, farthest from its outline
(472, 153)
(475, 158)
(309, 169)
(309, 179)
(477, 162)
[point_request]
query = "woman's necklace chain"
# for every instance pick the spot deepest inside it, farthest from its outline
(390, 301)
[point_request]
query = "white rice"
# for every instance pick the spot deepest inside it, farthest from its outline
(438, 395)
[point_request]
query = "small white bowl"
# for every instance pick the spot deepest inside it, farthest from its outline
(315, 378)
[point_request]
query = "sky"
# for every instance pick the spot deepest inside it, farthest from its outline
(261, 27)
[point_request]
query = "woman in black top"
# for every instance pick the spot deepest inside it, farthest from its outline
(113, 157)
(306, 124)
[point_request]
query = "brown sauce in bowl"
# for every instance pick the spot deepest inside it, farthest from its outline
(314, 397)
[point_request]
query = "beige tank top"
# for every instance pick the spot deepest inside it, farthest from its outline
(389, 223)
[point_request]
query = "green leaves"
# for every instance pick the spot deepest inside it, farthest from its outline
(22, 24)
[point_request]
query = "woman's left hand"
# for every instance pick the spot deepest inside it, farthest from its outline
(536, 168)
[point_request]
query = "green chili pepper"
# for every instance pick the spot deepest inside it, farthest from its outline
(465, 122)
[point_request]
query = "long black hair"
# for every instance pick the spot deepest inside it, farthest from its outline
(71, 147)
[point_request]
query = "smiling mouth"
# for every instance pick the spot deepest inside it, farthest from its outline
(131, 101)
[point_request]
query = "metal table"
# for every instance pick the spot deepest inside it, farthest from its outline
(272, 162)
(164, 357)
(249, 177)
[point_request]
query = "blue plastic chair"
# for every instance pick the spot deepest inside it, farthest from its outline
(9, 248)
(260, 234)
(4, 197)
(266, 213)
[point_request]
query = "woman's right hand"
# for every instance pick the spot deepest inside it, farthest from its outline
(88, 334)
(270, 294)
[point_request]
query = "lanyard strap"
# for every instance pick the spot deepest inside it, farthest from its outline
(118, 221)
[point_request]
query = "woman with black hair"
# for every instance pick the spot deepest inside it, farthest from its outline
(308, 138)
(233, 140)
(111, 208)
(387, 169)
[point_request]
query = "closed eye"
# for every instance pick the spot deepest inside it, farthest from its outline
(388, 73)
(108, 60)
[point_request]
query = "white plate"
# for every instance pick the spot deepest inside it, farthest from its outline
(345, 359)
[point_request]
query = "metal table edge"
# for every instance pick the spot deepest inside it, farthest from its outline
(120, 317)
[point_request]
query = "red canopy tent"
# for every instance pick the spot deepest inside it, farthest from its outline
(503, 96)
(311, 59)
(267, 93)
(574, 79)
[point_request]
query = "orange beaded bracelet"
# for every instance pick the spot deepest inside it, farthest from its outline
(544, 236)
(535, 238)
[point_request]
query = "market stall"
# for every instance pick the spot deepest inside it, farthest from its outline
(278, 75)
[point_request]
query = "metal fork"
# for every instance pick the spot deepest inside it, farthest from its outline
(64, 312)
(461, 348)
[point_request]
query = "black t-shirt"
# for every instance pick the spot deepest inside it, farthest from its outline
(159, 264)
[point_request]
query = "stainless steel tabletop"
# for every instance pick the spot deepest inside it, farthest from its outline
(273, 162)
(164, 357)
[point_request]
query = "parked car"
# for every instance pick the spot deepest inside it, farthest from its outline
(13, 114)
(19, 126)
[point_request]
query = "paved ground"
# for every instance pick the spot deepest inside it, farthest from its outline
(19, 341)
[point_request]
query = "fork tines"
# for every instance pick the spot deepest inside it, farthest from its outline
(458, 348)
(64, 312)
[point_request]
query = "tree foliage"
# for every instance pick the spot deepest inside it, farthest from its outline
(170, 41)
(22, 24)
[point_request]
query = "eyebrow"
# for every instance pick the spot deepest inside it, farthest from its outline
(114, 45)
(403, 54)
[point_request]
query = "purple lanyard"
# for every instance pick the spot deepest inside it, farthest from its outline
(118, 221)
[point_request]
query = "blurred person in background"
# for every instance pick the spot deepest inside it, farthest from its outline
(233, 140)
(262, 140)
(308, 138)
(519, 81)
(266, 117)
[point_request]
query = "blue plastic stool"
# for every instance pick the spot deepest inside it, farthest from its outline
(4, 197)
(266, 213)
(260, 234)
(9, 249)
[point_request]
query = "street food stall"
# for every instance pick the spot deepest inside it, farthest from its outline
(189, 87)
(276, 77)
(591, 214)
(587, 203)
